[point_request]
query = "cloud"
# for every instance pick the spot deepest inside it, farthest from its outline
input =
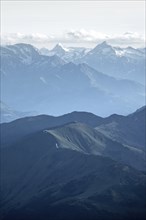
(14, 38)
(128, 38)
(82, 36)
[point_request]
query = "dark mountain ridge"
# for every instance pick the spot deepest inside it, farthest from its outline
(128, 124)
(130, 129)
(24, 126)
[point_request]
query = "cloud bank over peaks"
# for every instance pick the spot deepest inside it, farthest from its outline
(127, 38)
(76, 37)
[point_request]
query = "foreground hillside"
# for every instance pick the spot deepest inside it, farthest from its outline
(73, 167)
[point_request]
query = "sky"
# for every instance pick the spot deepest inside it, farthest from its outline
(75, 23)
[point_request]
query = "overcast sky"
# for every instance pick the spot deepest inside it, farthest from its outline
(73, 22)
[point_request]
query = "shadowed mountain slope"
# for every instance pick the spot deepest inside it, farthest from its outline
(39, 178)
(54, 168)
(17, 129)
(124, 129)
(130, 129)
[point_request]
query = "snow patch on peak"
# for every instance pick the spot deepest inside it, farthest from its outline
(25, 52)
(119, 52)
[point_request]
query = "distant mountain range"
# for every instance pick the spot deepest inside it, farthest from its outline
(52, 85)
(67, 54)
(78, 165)
(125, 63)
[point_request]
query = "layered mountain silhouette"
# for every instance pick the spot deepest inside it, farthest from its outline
(121, 128)
(32, 81)
(125, 63)
(77, 165)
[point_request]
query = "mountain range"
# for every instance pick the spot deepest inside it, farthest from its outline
(77, 165)
(32, 82)
(88, 164)
(121, 128)
(125, 63)
(67, 54)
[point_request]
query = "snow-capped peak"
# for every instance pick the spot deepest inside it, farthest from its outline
(129, 52)
(26, 52)
(60, 47)
(23, 48)
(103, 49)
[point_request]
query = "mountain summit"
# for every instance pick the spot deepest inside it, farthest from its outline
(59, 50)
